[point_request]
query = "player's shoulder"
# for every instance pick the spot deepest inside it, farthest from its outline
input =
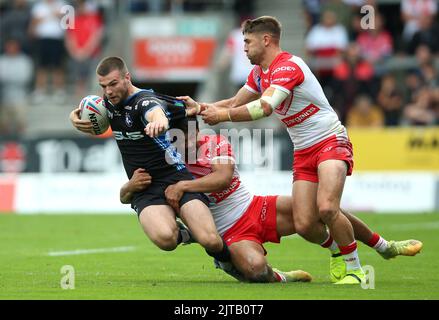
(146, 98)
(286, 62)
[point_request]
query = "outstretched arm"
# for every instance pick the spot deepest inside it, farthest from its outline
(243, 96)
(253, 110)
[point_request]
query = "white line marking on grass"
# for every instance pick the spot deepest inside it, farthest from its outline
(90, 251)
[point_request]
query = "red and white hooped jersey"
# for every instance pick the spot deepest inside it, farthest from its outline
(231, 203)
(306, 112)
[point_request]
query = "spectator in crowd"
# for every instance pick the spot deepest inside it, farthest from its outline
(423, 109)
(15, 23)
(364, 114)
(353, 76)
(83, 43)
(413, 84)
(412, 11)
(423, 75)
(312, 9)
(47, 30)
(428, 35)
(390, 99)
(16, 73)
(375, 44)
(343, 12)
(234, 57)
(325, 44)
(429, 76)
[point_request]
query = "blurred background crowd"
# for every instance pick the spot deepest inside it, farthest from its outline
(382, 75)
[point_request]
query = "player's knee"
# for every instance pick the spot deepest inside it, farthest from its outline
(210, 241)
(166, 240)
(328, 212)
(256, 270)
(304, 227)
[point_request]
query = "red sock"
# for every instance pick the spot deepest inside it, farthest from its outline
(348, 249)
(328, 242)
(279, 278)
(374, 240)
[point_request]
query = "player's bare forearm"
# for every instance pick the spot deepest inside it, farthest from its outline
(243, 96)
(253, 110)
(214, 183)
(240, 114)
(139, 181)
(125, 194)
(217, 181)
(157, 123)
(224, 104)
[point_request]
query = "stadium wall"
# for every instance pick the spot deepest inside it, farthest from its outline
(396, 170)
(381, 192)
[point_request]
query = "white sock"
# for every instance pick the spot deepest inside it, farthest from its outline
(381, 245)
(352, 261)
(280, 276)
(334, 247)
(330, 244)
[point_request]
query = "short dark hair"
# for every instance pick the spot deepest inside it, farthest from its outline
(110, 64)
(267, 24)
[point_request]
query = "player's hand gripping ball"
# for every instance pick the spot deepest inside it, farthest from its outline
(92, 108)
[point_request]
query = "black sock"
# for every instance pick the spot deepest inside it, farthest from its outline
(223, 255)
(179, 237)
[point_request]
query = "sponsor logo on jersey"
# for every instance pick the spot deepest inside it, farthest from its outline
(128, 120)
(128, 108)
(145, 103)
(301, 116)
(217, 197)
(136, 135)
(283, 68)
(282, 80)
(264, 210)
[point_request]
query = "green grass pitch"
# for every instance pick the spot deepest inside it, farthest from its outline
(145, 272)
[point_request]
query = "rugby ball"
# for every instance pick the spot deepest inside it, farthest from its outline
(93, 109)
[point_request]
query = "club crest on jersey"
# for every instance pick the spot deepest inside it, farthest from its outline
(128, 120)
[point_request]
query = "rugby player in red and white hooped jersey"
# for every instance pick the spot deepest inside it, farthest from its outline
(323, 157)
